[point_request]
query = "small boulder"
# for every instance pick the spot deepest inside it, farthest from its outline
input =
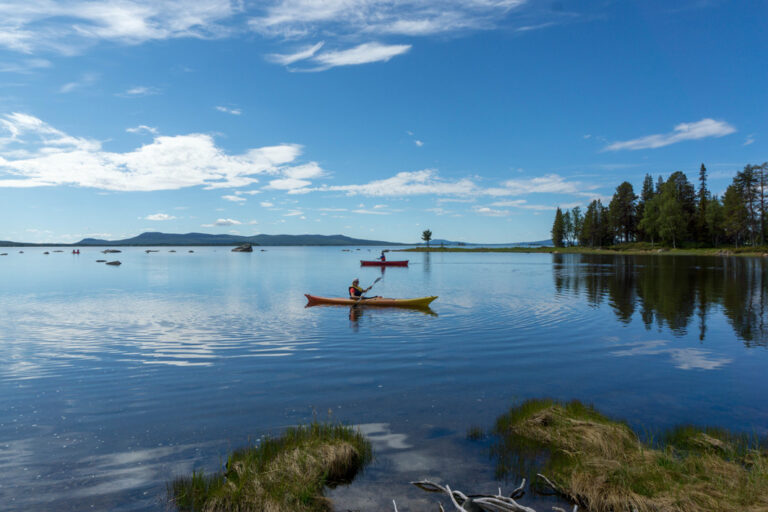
(115, 263)
(243, 248)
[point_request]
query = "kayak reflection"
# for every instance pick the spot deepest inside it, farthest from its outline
(356, 312)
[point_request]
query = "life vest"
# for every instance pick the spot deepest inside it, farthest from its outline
(355, 291)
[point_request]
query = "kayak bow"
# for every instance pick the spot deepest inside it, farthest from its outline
(420, 302)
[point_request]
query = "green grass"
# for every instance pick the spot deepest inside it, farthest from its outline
(602, 465)
(287, 473)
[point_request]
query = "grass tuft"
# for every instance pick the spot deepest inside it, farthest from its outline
(287, 473)
(602, 465)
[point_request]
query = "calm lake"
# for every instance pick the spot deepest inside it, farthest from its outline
(115, 379)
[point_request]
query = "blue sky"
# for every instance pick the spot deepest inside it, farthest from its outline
(374, 119)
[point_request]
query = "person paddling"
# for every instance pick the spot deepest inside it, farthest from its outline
(383, 257)
(355, 291)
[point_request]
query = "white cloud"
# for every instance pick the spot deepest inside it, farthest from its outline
(289, 184)
(140, 90)
(418, 142)
(296, 18)
(408, 183)
(549, 184)
(267, 204)
(68, 27)
(490, 212)
(142, 128)
(362, 54)
(247, 192)
(233, 111)
(223, 222)
(522, 203)
(369, 212)
(53, 158)
(159, 216)
(26, 66)
(750, 140)
(85, 80)
(234, 198)
(682, 132)
(293, 213)
(304, 53)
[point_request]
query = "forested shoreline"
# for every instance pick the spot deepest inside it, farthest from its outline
(673, 213)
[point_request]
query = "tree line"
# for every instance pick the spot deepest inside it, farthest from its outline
(673, 213)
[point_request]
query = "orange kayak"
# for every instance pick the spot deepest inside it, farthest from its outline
(420, 302)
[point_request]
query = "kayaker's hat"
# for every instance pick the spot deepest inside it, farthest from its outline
(356, 281)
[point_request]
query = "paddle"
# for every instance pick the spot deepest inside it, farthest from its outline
(373, 283)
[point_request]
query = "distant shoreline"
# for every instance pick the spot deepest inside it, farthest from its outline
(616, 250)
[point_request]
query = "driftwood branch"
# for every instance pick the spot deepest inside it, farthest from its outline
(478, 502)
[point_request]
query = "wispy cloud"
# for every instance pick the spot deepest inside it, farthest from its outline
(295, 18)
(421, 182)
(25, 66)
(684, 131)
(302, 54)
(234, 198)
(139, 90)
(362, 54)
(266, 204)
(54, 158)
(223, 222)
(85, 80)
(233, 111)
(68, 27)
(490, 212)
(142, 128)
(159, 216)
(750, 140)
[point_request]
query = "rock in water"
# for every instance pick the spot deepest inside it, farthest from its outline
(101, 261)
(116, 262)
(243, 248)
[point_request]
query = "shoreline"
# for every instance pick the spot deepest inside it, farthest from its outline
(659, 251)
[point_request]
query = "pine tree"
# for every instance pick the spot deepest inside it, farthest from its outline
(714, 221)
(568, 227)
(622, 212)
(701, 207)
(645, 195)
(746, 181)
(558, 229)
(578, 221)
(735, 214)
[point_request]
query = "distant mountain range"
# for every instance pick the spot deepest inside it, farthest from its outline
(155, 238)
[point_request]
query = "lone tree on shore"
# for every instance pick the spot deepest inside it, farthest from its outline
(558, 229)
(426, 235)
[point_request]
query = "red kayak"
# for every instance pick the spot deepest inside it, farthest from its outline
(379, 263)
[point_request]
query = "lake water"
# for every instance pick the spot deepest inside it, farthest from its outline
(115, 379)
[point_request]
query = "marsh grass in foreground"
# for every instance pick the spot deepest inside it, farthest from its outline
(601, 464)
(287, 473)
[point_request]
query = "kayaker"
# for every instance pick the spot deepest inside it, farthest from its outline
(383, 257)
(355, 290)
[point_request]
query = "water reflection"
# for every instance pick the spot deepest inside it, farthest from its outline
(673, 291)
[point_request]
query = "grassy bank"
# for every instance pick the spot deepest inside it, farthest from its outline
(601, 464)
(626, 249)
(287, 473)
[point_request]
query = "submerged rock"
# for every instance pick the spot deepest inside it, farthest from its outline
(116, 262)
(101, 261)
